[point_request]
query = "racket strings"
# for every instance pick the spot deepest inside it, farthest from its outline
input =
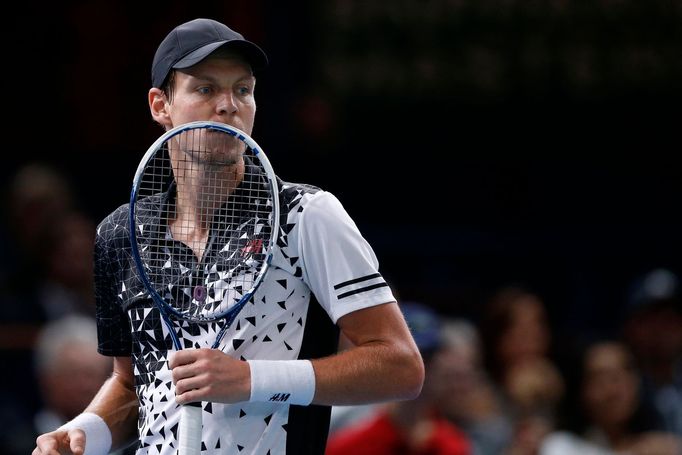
(209, 215)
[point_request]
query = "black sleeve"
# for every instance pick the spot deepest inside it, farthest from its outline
(113, 329)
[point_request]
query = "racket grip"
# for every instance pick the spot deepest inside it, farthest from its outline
(190, 430)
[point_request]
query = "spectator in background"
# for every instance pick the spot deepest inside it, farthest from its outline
(653, 330)
(68, 371)
(52, 249)
(412, 427)
(68, 286)
(517, 344)
(37, 198)
(464, 390)
(605, 414)
(37, 195)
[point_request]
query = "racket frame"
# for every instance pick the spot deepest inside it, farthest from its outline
(165, 309)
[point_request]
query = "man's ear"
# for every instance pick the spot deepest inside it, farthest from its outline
(158, 106)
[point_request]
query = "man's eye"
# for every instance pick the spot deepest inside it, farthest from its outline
(204, 90)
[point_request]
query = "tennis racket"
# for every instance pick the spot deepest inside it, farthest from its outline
(204, 217)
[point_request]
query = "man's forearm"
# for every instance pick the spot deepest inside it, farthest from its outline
(116, 403)
(382, 362)
(368, 373)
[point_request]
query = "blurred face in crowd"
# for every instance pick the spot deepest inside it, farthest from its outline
(527, 334)
(610, 385)
(656, 337)
(73, 238)
(455, 374)
(74, 378)
(460, 389)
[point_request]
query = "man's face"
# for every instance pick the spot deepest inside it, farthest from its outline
(220, 89)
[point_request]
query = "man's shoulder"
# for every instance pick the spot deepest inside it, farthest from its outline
(115, 224)
(295, 196)
(291, 190)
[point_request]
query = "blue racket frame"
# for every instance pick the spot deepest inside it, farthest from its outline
(165, 309)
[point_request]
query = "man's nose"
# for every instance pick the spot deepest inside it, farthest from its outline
(226, 103)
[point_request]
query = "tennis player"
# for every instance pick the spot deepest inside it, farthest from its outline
(324, 280)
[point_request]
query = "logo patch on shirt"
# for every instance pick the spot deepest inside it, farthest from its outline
(252, 246)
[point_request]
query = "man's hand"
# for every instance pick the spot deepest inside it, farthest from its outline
(209, 375)
(61, 442)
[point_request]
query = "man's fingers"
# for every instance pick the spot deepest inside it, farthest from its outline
(77, 443)
(49, 444)
(188, 396)
(183, 357)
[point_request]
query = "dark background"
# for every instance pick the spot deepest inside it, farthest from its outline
(476, 143)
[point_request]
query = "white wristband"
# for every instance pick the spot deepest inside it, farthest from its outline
(282, 381)
(97, 433)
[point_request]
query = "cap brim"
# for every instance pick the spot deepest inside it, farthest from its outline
(253, 54)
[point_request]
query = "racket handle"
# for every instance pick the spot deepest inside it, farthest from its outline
(190, 430)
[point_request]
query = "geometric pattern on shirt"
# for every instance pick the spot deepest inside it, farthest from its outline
(270, 326)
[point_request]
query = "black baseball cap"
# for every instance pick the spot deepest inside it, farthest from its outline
(191, 42)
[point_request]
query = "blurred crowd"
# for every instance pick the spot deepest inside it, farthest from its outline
(503, 383)
(48, 334)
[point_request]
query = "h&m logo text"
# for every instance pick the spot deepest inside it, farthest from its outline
(280, 397)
